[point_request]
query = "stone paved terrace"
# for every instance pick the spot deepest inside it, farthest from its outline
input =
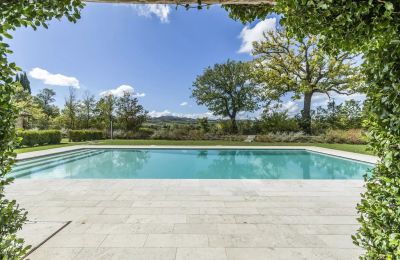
(190, 219)
(193, 219)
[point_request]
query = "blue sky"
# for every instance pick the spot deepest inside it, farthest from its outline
(155, 50)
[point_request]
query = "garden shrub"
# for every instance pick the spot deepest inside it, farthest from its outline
(288, 137)
(185, 133)
(235, 138)
(223, 127)
(141, 133)
(277, 121)
(85, 135)
(196, 135)
(248, 127)
(39, 137)
(352, 136)
(177, 133)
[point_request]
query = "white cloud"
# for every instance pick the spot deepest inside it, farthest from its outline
(119, 91)
(184, 104)
(148, 10)
(323, 99)
(54, 79)
(295, 106)
(255, 34)
(160, 113)
(291, 107)
(186, 115)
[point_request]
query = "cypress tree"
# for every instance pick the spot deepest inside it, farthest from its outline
(23, 79)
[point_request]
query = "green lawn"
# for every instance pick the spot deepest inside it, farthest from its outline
(44, 147)
(342, 147)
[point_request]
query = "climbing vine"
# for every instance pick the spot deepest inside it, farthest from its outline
(14, 14)
(372, 28)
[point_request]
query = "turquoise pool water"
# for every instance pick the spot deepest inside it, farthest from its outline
(190, 164)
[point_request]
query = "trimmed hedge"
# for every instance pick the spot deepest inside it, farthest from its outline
(85, 135)
(39, 137)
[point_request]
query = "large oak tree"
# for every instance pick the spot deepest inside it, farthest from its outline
(227, 89)
(287, 65)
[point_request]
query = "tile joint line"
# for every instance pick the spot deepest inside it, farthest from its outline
(47, 239)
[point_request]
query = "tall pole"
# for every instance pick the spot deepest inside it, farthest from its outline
(111, 134)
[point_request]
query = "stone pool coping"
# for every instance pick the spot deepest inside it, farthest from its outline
(327, 151)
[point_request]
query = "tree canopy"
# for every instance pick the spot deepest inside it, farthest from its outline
(227, 89)
(300, 67)
(22, 78)
(106, 110)
(373, 28)
(71, 108)
(130, 113)
(45, 99)
(87, 108)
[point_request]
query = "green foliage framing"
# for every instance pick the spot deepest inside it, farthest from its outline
(14, 14)
(373, 28)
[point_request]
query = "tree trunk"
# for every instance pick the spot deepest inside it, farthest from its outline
(87, 120)
(234, 128)
(306, 113)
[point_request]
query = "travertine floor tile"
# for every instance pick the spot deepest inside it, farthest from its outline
(193, 219)
(126, 254)
(176, 240)
(291, 253)
(201, 253)
(167, 219)
(125, 240)
(62, 253)
(63, 239)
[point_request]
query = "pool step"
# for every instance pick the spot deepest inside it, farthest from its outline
(46, 159)
(49, 157)
(26, 169)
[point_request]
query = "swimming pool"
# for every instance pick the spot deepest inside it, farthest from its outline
(190, 164)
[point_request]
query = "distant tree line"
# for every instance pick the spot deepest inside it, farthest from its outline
(40, 112)
(124, 114)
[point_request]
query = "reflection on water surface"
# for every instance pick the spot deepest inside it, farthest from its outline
(191, 164)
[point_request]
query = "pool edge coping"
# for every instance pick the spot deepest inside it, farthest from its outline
(327, 151)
